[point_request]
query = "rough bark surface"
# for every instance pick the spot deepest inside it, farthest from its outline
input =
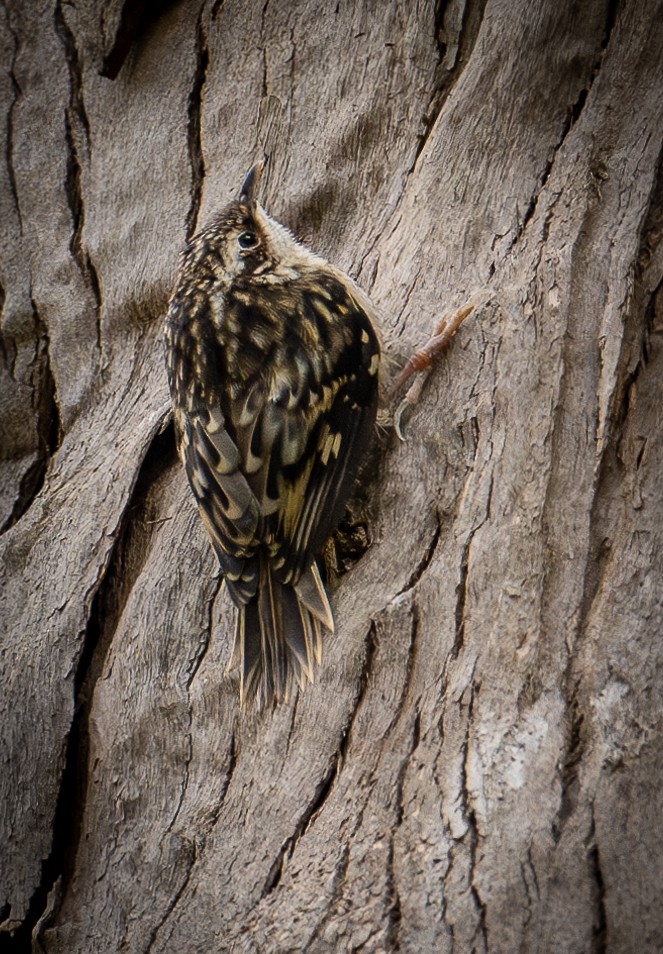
(479, 766)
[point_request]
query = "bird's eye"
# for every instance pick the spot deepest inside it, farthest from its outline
(247, 240)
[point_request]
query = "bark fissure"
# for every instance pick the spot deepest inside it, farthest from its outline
(572, 118)
(399, 708)
(637, 334)
(473, 828)
(45, 406)
(58, 867)
(207, 634)
(607, 477)
(201, 651)
(462, 588)
(413, 649)
(612, 8)
(217, 9)
(442, 89)
(370, 644)
(462, 585)
(462, 852)
(77, 129)
(424, 562)
(461, 598)
(469, 29)
(326, 784)
(574, 113)
(624, 395)
(574, 744)
(608, 469)
(194, 127)
(600, 926)
(571, 756)
(304, 822)
(393, 909)
(232, 762)
(76, 106)
(263, 51)
(135, 19)
(130, 17)
(16, 94)
(191, 864)
(533, 203)
(225, 785)
(102, 615)
(531, 885)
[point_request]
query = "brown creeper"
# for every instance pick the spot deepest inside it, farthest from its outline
(273, 369)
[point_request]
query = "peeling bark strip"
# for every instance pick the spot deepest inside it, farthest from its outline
(478, 766)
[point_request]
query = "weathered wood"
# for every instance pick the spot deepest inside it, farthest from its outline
(478, 767)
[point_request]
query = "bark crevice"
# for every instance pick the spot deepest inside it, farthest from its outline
(424, 562)
(44, 399)
(574, 112)
(77, 132)
(194, 126)
(16, 94)
(609, 475)
(136, 16)
(473, 833)
(304, 822)
(196, 663)
(190, 865)
(393, 912)
(448, 72)
(325, 786)
(600, 927)
(105, 609)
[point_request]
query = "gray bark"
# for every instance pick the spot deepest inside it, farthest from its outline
(478, 767)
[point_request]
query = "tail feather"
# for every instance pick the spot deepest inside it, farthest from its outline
(270, 618)
(311, 593)
(297, 639)
(279, 636)
(306, 650)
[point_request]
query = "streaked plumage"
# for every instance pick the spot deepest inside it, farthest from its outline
(273, 365)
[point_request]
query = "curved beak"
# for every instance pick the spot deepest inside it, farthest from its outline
(251, 182)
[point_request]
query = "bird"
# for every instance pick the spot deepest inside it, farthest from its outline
(273, 360)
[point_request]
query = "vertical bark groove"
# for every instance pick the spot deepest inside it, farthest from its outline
(77, 130)
(600, 930)
(49, 427)
(463, 42)
(104, 610)
(194, 132)
(16, 93)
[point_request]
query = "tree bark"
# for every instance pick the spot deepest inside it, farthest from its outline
(478, 767)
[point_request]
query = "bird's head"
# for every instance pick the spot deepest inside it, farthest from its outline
(245, 245)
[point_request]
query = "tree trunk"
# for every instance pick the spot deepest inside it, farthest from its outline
(478, 767)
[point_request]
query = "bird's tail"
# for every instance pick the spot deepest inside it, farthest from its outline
(278, 635)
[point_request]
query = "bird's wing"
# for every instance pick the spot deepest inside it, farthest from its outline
(270, 447)
(316, 492)
(301, 437)
(227, 504)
